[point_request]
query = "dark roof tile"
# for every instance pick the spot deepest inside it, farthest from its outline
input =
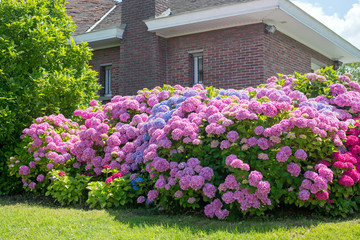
(180, 6)
(111, 20)
(86, 13)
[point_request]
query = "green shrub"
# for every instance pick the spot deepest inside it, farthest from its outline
(107, 194)
(67, 189)
(40, 73)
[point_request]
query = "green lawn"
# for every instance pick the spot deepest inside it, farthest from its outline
(21, 219)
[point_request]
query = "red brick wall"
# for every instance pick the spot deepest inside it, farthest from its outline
(233, 57)
(106, 56)
(143, 56)
(286, 55)
(238, 57)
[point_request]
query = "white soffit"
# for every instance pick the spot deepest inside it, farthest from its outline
(287, 18)
(102, 38)
(211, 19)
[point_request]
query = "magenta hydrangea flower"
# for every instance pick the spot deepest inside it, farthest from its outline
(32, 164)
(282, 156)
(259, 130)
(306, 184)
(40, 178)
(32, 185)
(229, 159)
(236, 163)
(93, 103)
(209, 190)
(222, 214)
(152, 195)
(324, 195)
(196, 182)
(294, 169)
(207, 173)
(326, 173)
(346, 181)
(178, 194)
(230, 182)
(254, 178)
(24, 170)
(225, 144)
(193, 162)
(228, 197)
(161, 164)
(185, 182)
(141, 199)
(304, 195)
(232, 136)
(263, 143)
(191, 200)
(300, 154)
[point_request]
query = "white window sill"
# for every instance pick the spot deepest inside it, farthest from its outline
(106, 98)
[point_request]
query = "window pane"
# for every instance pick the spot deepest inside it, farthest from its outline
(200, 69)
(198, 75)
(108, 81)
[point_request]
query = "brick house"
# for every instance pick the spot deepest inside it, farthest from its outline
(224, 43)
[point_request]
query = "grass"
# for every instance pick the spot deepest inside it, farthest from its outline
(26, 218)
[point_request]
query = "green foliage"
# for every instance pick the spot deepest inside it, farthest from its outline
(114, 194)
(40, 73)
(67, 189)
(352, 68)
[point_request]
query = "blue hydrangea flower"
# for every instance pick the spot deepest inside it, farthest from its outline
(146, 137)
(159, 123)
(168, 115)
(180, 100)
(191, 93)
(139, 179)
(222, 92)
(172, 100)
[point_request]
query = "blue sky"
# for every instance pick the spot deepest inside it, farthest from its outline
(341, 16)
(330, 7)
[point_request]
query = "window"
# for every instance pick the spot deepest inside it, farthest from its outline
(198, 68)
(107, 75)
(316, 64)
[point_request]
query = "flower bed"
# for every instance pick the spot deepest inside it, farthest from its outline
(210, 149)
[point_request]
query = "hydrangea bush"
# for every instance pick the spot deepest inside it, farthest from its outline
(292, 141)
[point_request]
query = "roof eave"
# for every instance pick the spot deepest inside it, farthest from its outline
(102, 38)
(267, 11)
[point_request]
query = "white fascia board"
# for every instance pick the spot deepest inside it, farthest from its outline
(104, 34)
(211, 14)
(316, 26)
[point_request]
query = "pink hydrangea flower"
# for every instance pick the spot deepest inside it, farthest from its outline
(24, 170)
(152, 195)
(254, 178)
(294, 169)
(346, 181)
(141, 199)
(196, 182)
(209, 190)
(300, 154)
(304, 195)
(225, 144)
(232, 136)
(40, 178)
(178, 194)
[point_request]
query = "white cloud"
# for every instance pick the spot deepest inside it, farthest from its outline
(348, 27)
